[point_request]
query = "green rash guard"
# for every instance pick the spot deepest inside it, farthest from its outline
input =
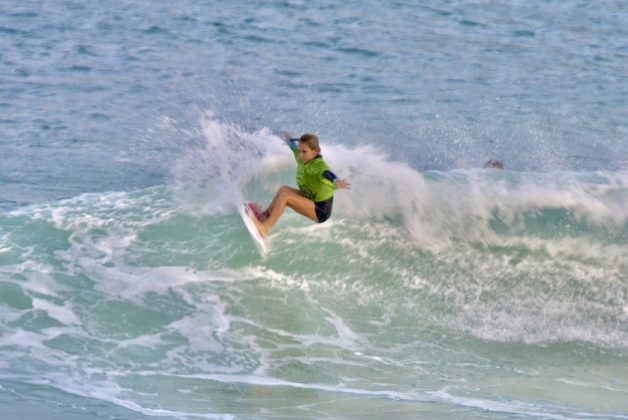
(310, 179)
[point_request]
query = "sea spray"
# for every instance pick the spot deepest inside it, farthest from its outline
(214, 161)
(221, 164)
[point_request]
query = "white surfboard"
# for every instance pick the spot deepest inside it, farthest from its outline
(260, 243)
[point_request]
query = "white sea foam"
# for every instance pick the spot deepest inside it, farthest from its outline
(498, 406)
(63, 314)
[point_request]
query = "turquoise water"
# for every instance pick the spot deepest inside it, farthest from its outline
(130, 132)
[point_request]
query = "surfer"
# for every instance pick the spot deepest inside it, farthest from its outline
(493, 164)
(317, 184)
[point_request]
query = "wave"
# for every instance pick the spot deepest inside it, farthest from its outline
(514, 256)
(167, 276)
(437, 208)
(517, 256)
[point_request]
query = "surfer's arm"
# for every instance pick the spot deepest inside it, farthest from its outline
(292, 143)
(329, 175)
(339, 183)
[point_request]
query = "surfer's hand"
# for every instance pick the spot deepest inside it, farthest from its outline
(343, 183)
(284, 135)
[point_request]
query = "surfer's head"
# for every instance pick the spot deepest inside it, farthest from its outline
(494, 164)
(311, 140)
(309, 147)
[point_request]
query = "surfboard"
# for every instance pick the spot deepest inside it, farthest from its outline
(259, 242)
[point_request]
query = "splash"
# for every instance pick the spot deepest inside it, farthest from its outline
(220, 160)
(222, 163)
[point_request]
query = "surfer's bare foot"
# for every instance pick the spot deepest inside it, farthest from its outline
(263, 230)
(256, 210)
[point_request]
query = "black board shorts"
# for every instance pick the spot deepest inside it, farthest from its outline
(323, 209)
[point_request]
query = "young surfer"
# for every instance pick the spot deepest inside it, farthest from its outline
(316, 182)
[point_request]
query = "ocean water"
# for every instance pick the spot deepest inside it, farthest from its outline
(130, 131)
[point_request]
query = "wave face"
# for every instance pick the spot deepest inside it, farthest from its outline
(157, 302)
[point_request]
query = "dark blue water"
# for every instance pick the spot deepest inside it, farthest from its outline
(130, 132)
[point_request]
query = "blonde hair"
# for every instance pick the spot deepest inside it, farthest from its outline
(311, 140)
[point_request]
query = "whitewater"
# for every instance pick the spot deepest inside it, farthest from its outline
(132, 131)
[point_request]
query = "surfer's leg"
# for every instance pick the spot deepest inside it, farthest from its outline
(287, 197)
(282, 190)
(302, 205)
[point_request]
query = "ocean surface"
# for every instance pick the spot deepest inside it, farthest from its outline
(130, 131)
